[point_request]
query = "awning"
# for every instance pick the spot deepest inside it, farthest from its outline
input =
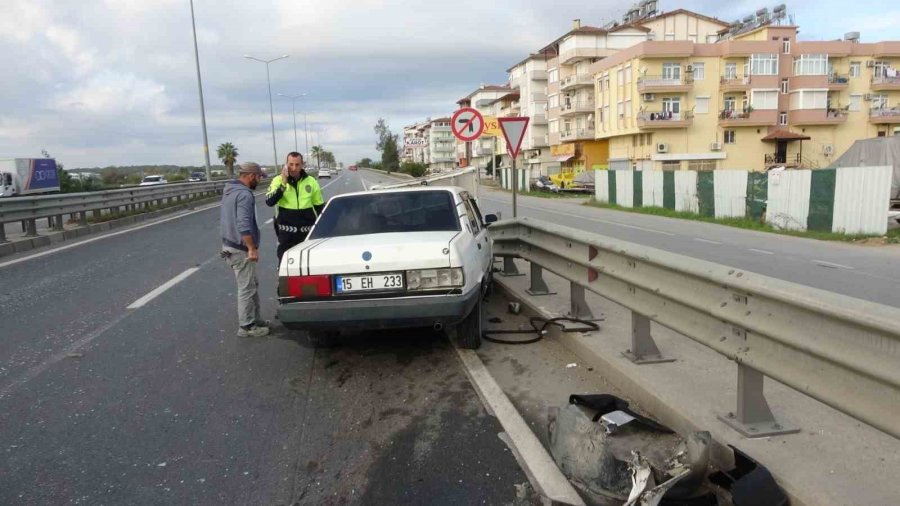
(563, 158)
(785, 135)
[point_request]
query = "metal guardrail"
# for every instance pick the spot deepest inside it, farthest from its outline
(842, 351)
(53, 207)
(465, 178)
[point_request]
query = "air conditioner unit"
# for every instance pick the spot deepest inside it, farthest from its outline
(662, 147)
(827, 150)
(867, 97)
(715, 146)
(649, 97)
(870, 64)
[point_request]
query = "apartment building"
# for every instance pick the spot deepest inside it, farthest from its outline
(528, 79)
(441, 146)
(415, 142)
(754, 98)
(479, 153)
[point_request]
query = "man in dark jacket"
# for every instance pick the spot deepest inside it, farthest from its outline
(298, 202)
(240, 246)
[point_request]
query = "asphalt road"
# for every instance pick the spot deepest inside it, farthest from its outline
(865, 272)
(162, 404)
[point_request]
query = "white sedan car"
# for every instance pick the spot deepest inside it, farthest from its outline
(324, 173)
(409, 257)
(153, 181)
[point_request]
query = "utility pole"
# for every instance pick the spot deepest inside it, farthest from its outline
(200, 88)
(271, 109)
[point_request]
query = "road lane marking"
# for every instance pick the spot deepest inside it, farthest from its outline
(162, 288)
(534, 459)
(366, 188)
(327, 185)
(831, 265)
(700, 239)
(764, 252)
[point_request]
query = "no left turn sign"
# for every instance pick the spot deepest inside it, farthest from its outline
(467, 124)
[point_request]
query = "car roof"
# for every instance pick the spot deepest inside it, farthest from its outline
(451, 189)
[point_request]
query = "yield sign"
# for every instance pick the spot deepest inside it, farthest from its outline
(513, 132)
(467, 124)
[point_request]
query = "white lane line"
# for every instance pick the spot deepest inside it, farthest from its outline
(364, 184)
(270, 220)
(831, 265)
(327, 185)
(162, 288)
(534, 459)
(707, 241)
(764, 252)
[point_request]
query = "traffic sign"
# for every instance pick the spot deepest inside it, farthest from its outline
(467, 124)
(514, 133)
(491, 127)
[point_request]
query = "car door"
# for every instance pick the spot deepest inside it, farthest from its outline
(479, 231)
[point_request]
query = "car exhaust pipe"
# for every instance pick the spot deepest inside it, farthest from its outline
(438, 326)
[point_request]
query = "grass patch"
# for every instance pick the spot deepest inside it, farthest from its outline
(552, 195)
(893, 236)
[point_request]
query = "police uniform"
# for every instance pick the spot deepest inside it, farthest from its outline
(298, 203)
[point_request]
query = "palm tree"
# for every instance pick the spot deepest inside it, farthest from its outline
(228, 154)
(317, 151)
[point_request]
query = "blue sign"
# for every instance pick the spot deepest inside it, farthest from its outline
(42, 174)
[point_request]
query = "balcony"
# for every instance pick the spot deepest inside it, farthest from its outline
(440, 128)
(539, 119)
(579, 134)
(577, 54)
(515, 82)
(577, 107)
(553, 138)
(442, 159)
(782, 160)
(576, 81)
(537, 75)
(829, 82)
(885, 116)
(538, 97)
(659, 120)
(885, 83)
(539, 140)
(664, 84)
(482, 151)
(728, 83)
(810, 117)
(750, 117)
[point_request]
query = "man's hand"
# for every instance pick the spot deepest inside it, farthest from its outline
(284, 174)
(253, 255)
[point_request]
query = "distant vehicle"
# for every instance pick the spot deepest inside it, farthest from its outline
(408, 257)
(28, 176)
(197, 177)
(543, 183)
(153, 181)
(323, 172)
(352, 167)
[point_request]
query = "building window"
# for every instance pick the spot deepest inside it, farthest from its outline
(699, 71)
(786, 45)
(784, 86)
(731, 71)
(671, 105)
(671, 71)
(729, 103)
(811, 65)
(855, 69)
(782, 118)
(879, 101)
(670, 36)
(621, 109)
(702, 105)
(634, 139)
(649, 139)
(620, 77)
(701, 165)
(671, 165)
(553, 101)
(628, 108)
(855, 102)
(553, 75)
(764, 64)
(729, 136)
(627, 74)
(764, 99)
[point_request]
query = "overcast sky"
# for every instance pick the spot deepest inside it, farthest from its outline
(112, 82)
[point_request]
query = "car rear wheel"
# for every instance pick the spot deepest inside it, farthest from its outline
(468, 332)
(322, 338)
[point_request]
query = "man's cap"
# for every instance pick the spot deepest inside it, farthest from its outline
(250, 168)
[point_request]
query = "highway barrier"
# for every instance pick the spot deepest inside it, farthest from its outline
(465, 178)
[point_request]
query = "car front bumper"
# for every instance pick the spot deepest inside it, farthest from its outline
(387, 313)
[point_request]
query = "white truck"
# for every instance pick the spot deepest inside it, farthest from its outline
(28, 176)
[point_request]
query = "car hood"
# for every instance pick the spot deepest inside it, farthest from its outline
(385, 253)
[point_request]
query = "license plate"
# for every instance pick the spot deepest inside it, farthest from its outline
(369, 282)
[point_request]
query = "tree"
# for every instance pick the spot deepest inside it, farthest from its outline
(317, 152)
(365, 162)
(387, 144)
(228, 154)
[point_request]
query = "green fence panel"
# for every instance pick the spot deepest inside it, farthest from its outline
(611, 175)
(821, 200)
(638, 195)
(757, 194)
(706, 193)
(669, 189)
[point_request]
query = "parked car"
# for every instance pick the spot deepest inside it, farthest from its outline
(323, 172)
(408, 257)
(153, 181)
(543, 183)
(196, 177)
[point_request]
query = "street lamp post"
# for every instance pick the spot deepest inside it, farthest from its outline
(271, 110)
(200, 88)
(294, 111)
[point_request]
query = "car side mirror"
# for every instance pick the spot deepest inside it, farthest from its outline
(490, 218)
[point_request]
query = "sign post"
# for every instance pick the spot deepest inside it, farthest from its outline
(514, 132)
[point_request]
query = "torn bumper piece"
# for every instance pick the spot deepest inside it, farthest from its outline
(750, 483)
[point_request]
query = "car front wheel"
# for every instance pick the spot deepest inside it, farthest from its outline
(468, 332)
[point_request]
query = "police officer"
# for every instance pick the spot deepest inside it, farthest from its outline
(299, 202)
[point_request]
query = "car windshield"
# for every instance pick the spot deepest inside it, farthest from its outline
(380, 213)
(151, 179)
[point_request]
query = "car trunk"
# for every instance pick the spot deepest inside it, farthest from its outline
(392, 252)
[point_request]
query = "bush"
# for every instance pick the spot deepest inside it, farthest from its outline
(413, 169)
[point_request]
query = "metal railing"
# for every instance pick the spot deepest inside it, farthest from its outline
(54, 207)
(664, 80)
(839, 350)
(878, 112)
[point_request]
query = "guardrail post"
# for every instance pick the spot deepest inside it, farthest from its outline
(509, 268)
(538, 285)
(754, 418)
(30, 228)
(97, 213)
(3, 233)
(82, 218)
(58, 223)
(643, 347)
(579, 308)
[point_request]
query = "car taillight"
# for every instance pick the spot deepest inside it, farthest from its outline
(309, 286)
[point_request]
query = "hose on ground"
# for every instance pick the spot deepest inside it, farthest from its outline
(539, 326)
